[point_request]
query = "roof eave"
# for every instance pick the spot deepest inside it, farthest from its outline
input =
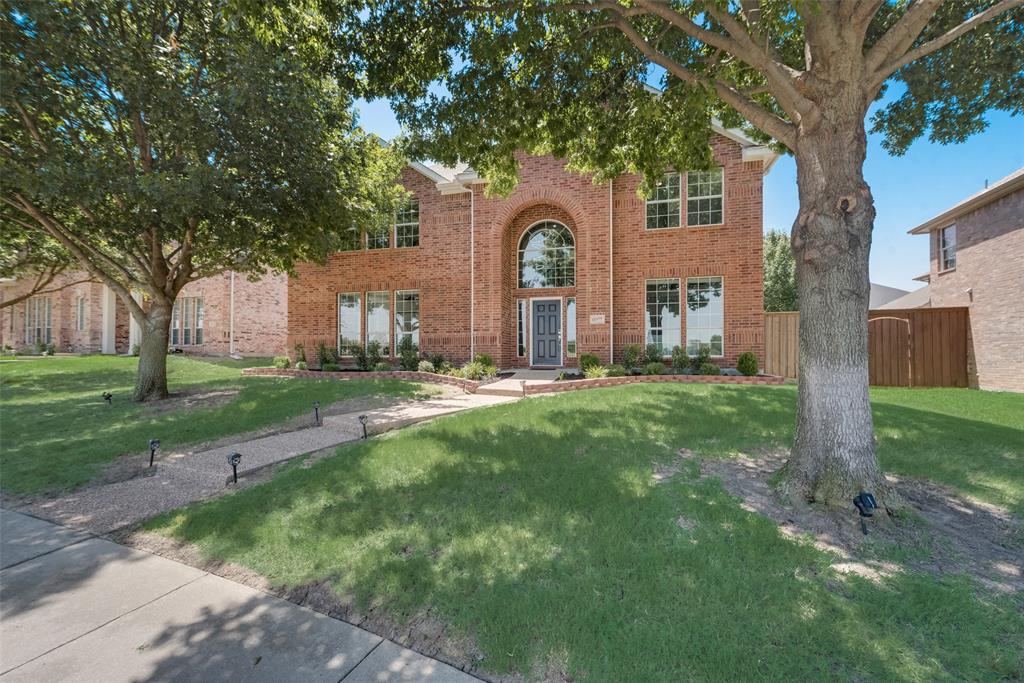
(974, 203)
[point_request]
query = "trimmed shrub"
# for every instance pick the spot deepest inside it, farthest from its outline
(680, 361)
(652, 353)
(709, 369)
(425, 366)
(301, 365)
(483, 359)
(300, 354)
(374, 354)
(587, 361)
(473, 370)
(330, 367)
(703, 357)
(747, 363)
(325, 355)
(282, 362)
(595, 372)
(438, 361)
(359, 354)
(456, 372)
(408, 354)
(382, 367)
(615, 370)
(655, 368)
(631, 355)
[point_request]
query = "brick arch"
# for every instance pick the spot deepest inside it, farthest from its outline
(541, 195)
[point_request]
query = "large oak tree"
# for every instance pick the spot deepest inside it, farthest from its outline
(572, 78)
(161, 141)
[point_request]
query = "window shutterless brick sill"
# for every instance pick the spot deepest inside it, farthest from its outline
(947, 271)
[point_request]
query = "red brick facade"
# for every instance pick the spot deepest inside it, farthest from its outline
(466, 270)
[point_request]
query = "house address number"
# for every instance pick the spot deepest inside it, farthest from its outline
(597, 319)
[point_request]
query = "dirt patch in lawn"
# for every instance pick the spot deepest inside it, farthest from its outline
(188, 400)
(941, 532)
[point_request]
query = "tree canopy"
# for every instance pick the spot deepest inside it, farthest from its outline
(779, 273)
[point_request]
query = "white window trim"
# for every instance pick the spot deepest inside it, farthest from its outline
(942, 250)
(682, 314)
(394, 312)
(519, 255)
(344, 351)
(685, 293)
(561, 330)
(417, 223)
(685, 216)
(678, 200)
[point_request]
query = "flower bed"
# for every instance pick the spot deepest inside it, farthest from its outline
(574, 384)
(414, 376)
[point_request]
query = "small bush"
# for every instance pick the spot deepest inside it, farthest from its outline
(282, 362)
(325, 355)
(655, 368)
(490, 371)
(680, 361)
(473, 370)
(747, 363)
(374, 354)
(703, 357)
(445, 368)
(408, 354)
(455, 372)
(360, 357)
(588, 360)
(483, 359)
(301, 365)
(631, 355)
(437, 360)
(595, 372)
(382, 367)
(616, 370)
(425, 366)
(300, 354)
(652, 353)
(136, 349)
(330, 367)
(709, 369)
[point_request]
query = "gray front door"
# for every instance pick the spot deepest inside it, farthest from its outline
(547, 324)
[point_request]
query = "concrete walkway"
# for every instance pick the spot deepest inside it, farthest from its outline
(181, 478)
(74, 607)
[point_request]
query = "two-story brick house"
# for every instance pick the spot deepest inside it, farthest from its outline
(560, 267)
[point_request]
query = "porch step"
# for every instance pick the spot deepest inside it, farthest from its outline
(503, 387)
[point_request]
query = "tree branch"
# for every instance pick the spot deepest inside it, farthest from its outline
(39, 289)
(902, 34)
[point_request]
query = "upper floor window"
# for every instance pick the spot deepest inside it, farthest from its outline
(350, 240)
(407, 225)
(378, 238)
(704, 197)
(663, 207)
(947, 248)
(547, 256)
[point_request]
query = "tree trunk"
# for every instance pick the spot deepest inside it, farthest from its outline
(833, 456)
(151, 380)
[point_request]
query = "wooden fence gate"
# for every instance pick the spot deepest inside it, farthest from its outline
(915, 347)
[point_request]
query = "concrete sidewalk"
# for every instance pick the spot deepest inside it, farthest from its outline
(179, 479)
(74, 607)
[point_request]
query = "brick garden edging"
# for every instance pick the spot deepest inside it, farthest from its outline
(465, 384)
(574, 384)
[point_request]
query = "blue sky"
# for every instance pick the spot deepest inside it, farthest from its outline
(908, 190)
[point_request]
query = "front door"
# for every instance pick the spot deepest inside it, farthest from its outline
(546, 332)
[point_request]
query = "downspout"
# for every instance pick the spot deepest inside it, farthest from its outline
(231, 317)
(611, 277)
(472, 274)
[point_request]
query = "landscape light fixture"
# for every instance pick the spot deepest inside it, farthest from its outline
(153, 445)
(362, 421)
(865, 504)
(316, 412)
(233, 460)
(107, 396)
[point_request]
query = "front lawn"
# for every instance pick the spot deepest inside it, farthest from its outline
(56, 431)
(535, 532)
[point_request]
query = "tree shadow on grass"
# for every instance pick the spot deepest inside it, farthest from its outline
(535, 533)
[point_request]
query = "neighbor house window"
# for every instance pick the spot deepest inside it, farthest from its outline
(80, 313)
(39, 320)
(663, 207)
(176, 323)
(407, 318)
(348, 322)
(407, 225)
(947, 247)
(378, 238)
(521, 328)
(705, 315)
(198, 309)
(187, 318)
(662, 316)
(378, 319)
(704, 197)
(547, 256)
(570, 327)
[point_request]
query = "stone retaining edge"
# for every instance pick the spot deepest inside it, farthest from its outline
(465, 384)
(575, 384)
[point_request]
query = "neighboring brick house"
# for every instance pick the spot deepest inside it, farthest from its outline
(86, 317)
(977, 260)
(560, 267)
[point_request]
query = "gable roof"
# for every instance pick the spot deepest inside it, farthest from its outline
(997, 190)
(881, 294)
(919, 298)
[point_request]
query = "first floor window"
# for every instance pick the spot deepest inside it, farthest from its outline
(407, 318)
(378, 319)
(662, 319)
(198, 307)
(521, 328)
(704, 197)
(407, 225)
(80, 313)
(348, 321)
(570, 327)
(176, 323)
(705, 315)
(663, 206)
(187, 322)
(39, 320)
(947, 247)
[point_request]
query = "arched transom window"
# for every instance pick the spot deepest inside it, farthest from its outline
(547, 256)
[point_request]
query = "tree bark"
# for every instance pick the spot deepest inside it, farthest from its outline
(151, 379)
(833, 456)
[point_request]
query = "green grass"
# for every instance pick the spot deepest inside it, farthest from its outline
(535, 530)
(56, 431)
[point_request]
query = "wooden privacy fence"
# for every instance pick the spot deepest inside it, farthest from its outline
(916, 347)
